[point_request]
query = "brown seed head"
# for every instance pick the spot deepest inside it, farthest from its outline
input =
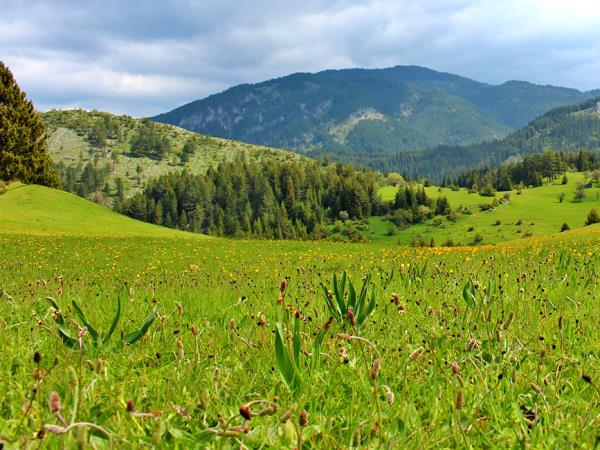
(303, 419)
(54, 402)
(37, 357)
(375, 369)
(245, 412)
(130, 405)
(351, 317)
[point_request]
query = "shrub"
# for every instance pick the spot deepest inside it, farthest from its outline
(565, 227)
(3, 187)
(564, 180)
(477, 239)
(592, 217)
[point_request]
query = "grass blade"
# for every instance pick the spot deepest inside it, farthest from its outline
(114, 322)
(93, 333)
(137, 335)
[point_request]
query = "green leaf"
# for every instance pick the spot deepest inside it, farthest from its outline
(59, 319)
(282, 358)
(297, 341)
(339, 295)
(316, 347)
(90, 328)
(352, 297)
(66, 338)
(469, 293)
(137, 335)
(114, 322)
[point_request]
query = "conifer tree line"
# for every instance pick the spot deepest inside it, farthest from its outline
(261, 199)
(533, 170)
(23, 154)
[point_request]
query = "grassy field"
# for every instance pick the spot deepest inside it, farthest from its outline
(535, 212)
(483, 347)
(41, 211)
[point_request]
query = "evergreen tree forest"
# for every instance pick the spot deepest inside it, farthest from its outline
(260, 199)
(533, 170)
(23, 153)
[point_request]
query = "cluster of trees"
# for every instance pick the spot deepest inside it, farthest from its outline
(23, 153)
(262, 199)
(533, 170)
(87, 180)
(412, 205)
(150, 142)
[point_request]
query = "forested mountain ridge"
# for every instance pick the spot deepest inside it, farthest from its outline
(372, 111)
(567, 128)
(111, 156)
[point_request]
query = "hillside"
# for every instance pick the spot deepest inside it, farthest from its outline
(345, 112)
(125, 152)
(38, 210)
(535, 212)
(568, 128)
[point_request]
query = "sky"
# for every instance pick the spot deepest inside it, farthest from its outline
(142, 57)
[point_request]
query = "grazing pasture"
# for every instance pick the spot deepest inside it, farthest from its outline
(480, 347)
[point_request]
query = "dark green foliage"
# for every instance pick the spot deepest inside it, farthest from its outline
(22, 137)
(150, 142)
(565, 227)
(346, 305)
(569, 129)
(97, 338)
(265, 199)
(592, 217)
(531, 171)
(376, 112)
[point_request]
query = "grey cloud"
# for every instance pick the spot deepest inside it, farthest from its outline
(143, 58)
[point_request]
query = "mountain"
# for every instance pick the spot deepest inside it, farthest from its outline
(38, 210)
(115, 155)
(567, 128)
(369, 111)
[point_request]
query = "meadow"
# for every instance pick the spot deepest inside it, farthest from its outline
(534, 211)
(126, 338)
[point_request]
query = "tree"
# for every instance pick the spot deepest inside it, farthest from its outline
(592, 217)
(580, 192)
(561, 197)
(22, 137)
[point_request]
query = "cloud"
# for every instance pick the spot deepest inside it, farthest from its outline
(144, 58)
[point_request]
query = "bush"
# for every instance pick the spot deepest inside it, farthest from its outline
(565, 227)
(592, 217)
(564, 180)
(3, 187)
(477, 239)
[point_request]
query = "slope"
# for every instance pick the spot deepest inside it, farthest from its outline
(567, 128)
(37, 210)
(122, 152)
(379, 110)
(534, 212)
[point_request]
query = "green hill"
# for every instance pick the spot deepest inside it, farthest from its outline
(535, 212)
(357, 111)
(568, 128)
(38, 210)
(126, 151)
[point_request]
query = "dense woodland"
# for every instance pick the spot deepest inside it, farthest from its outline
(567, 129)
(267, 198)
(533, 170)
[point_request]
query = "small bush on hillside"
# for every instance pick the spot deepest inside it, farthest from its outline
(3, 187)
(592, 217)
(564, 180)
(477, 239)
(565, 227)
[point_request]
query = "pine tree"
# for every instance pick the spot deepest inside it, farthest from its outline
(22, 137)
